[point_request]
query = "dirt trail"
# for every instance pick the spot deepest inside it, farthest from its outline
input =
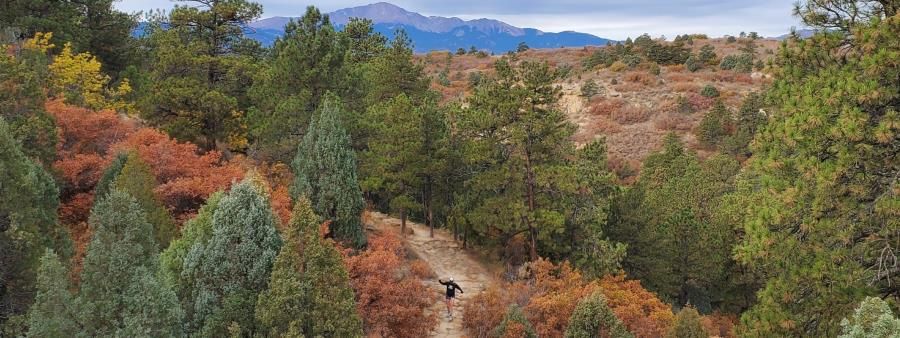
(447, 259)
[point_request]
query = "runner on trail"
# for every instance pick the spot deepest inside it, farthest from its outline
(451, 294)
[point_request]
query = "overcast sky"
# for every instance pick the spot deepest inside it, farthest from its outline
(616, 19)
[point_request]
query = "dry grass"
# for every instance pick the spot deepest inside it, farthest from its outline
(640, 78)
(421, 269)
(680, 77)
(685, 87)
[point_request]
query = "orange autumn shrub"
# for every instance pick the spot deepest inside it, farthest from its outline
(85, 138)
(483, 312)
(392, 303)
(557, 290)
(185, 175)
(638, 309)
(719, 324)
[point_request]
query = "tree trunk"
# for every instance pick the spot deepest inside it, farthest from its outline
(529, 188)
(403, 222)
(427, 201)
(465, 236)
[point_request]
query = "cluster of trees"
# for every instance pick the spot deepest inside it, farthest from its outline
(641, 49)
(791, 222)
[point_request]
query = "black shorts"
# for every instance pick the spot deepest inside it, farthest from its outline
(449, 297)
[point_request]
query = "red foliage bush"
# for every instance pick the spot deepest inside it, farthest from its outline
(186, 176)
(392, 303)
(88, 141)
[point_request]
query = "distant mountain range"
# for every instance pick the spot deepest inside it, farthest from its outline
(437, 33)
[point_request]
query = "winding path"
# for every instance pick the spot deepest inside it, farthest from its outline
(447, 259)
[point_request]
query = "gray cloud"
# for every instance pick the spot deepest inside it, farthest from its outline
(615, 19)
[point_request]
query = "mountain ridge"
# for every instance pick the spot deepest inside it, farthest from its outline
(438, 33)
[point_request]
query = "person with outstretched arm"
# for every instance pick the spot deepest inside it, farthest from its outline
(451, 294)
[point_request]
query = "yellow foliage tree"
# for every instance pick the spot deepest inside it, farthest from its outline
(77, 77)
(40, 42)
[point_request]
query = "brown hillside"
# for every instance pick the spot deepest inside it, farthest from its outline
(634, 108)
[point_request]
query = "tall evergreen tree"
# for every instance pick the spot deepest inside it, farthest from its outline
(750, 118)
(284, 306)
(307, 62)
(517, 143)
(29, 199)
(396, 72)
(394, 163)
(53, 312)
(666, 219)
(235, 264)
(330, 301)
(22, 102)
(325, 170)
(824, 180)
(196, 231)
(121, 259)
(593, 318)
(588, 245)
(200, 69)
(137, 180)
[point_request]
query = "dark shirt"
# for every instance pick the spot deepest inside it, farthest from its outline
(451, 288)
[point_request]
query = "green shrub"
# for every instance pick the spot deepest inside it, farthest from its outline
(692, 64)
(709, 91)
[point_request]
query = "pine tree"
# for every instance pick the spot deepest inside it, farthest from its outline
(715, 126)
(137, 180)
(688, 325)
(307, 62)
(285, 305)
(749, 119)
(666, 219)
(593, 318)
(235, 264)
(514, 324)
(397, 72)
(325, 170)
(120, 259)
(22, 102)
(394, 163)
(834, 112)
(53, 312)
(591, 250)
(200, 66)
(516, 148)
